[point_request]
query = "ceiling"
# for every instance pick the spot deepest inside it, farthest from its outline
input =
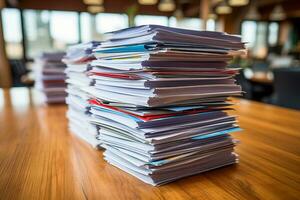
(189, 8)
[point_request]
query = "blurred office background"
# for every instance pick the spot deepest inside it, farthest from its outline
(270, 73)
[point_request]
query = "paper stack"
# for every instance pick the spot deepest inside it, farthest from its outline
(77, 59)
(50, 77)
(160, 95)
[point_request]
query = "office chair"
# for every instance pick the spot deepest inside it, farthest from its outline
(260, 66)
(19, 71)
(245, 84)
(287, 87)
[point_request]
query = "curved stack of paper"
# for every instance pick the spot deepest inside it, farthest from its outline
(160, 95)
(77, 60)
(50, 77)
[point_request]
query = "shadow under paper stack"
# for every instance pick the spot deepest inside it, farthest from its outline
(159, 96)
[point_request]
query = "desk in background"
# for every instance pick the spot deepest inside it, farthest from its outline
(40, 159)
(262, 78)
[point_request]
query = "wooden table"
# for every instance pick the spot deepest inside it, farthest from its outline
(40, 159)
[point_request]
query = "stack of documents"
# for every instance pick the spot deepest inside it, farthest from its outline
(50, 77)
(77, 60)
(160, 96)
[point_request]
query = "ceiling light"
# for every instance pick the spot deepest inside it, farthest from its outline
(212, 16)
(252, 14)
(166, 5)
(178, 14)
(148, 2)
(223, 9)
(95, 9)
(238, 2)
(278, 13)
(215, 2)
(93, 2)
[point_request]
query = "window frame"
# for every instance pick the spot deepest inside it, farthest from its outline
(25, 58)
(267, 32)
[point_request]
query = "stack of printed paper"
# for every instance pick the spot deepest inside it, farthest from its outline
(77, 59)
(50, 77)
(160, 95)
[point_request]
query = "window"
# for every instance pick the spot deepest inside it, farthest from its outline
(149, 19)
(211, 25)
(37, 32)
(49, 31)
(106, 22)
(12, 32)
(54, 30)
(273, 33)
(64, 29)
(192, 23)
(259, 35)
(249, 33)
(187, 23)
(93, 27)
(87, 31)
(260, 48)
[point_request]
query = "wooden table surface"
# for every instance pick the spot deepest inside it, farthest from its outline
(40, 159)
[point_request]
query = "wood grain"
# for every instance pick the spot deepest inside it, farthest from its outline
(40, 159)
